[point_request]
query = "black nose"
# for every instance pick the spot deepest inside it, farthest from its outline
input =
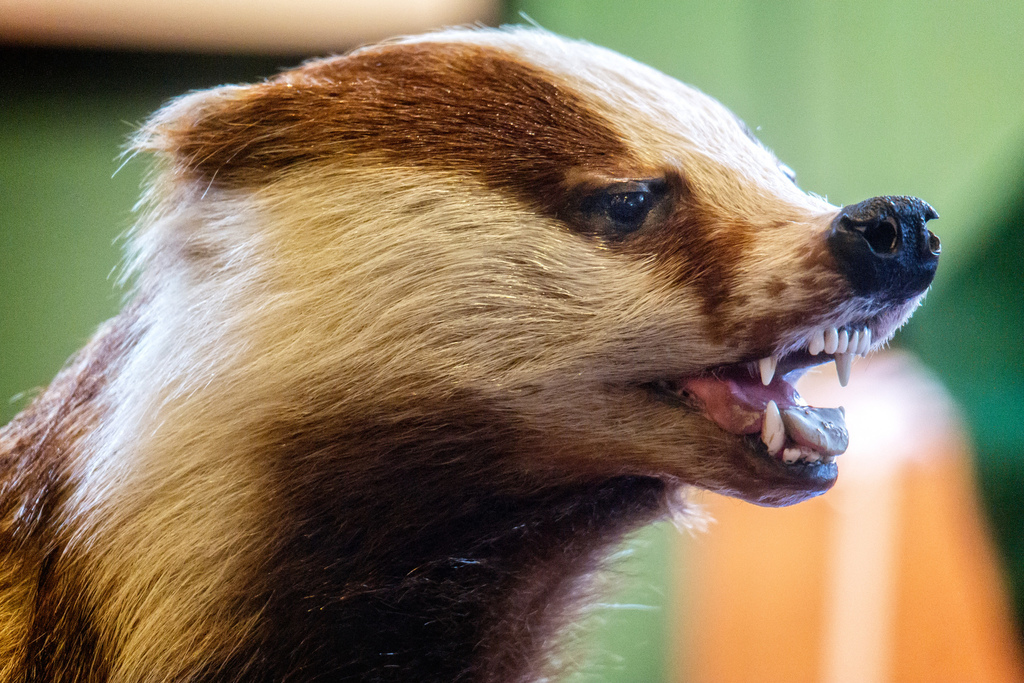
(883, 248)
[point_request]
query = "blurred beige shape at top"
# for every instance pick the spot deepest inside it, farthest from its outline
(889, 577)
(268, 26)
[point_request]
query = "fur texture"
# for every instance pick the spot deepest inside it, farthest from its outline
(382, 401)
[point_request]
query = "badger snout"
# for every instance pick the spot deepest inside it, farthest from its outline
(883, 248)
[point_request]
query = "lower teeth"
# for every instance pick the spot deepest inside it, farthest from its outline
(796, 454)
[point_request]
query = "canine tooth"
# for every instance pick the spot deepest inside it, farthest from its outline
(816, 344)
(767, 367)
(844, 361)
(844, 341)
(773, 431)
(865, 341)
(854, 342)
(831, 340)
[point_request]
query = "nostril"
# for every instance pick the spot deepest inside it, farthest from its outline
(883, 236)
(934, 245)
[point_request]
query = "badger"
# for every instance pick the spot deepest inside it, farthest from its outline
(416, 335)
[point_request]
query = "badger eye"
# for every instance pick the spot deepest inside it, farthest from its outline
(621, 208)
(629, 209)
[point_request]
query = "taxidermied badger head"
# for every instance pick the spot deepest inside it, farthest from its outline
(419, 331)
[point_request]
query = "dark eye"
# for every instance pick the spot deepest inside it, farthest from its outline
(629, 209)
(621, 207)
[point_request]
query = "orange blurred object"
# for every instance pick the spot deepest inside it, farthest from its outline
(889, 577)
(268, 26)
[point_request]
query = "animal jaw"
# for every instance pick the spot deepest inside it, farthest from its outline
(419, 332)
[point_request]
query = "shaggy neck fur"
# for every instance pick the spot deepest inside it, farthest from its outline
(401, 572)
(476, 592)
(404, 572)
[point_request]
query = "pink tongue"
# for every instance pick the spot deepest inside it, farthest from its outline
(736, 404)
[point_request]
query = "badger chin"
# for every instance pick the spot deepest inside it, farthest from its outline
(778, 483)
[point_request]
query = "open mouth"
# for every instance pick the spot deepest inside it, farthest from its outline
(757, 400)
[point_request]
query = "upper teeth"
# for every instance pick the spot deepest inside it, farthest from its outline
(842, 342)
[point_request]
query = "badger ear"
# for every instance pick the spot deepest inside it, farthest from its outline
(196, 133)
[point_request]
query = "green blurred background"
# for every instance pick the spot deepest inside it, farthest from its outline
(922, 97)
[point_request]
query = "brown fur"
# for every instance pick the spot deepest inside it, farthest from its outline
(468, 108)
(41, 626)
